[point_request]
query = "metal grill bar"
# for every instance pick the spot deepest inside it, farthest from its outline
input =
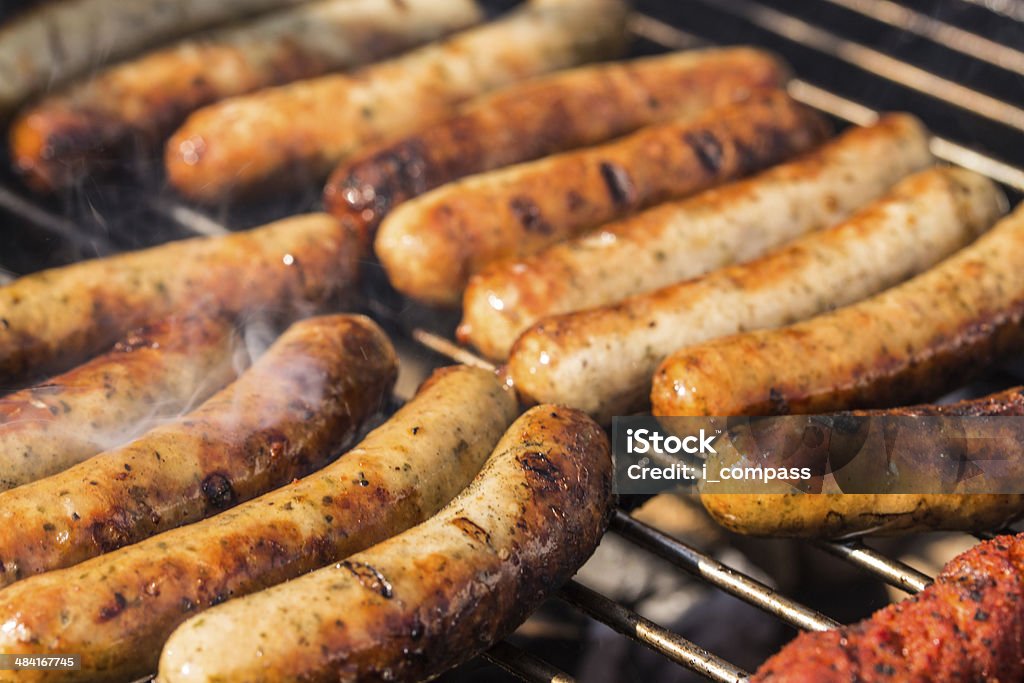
(869, 59)
(520, 663)
(893, 572)
(843, 108)
(52, 223)
(717, 574)
(947, 35)
(646, 632)
(1011, 9)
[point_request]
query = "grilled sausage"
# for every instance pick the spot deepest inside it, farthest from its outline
(304, 399)
(434, 596)
(284, 137)
(519, 210)
(540, 117)
(156, 372)
(967, 626)
(67, 38)
(838, 516)
(601, 360)
(401, 474)
(681, 240)
(908, 343)
(52, 320)
(135, 105)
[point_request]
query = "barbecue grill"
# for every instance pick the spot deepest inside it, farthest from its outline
(852, 58)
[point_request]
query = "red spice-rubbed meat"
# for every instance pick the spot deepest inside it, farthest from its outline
(967, 626)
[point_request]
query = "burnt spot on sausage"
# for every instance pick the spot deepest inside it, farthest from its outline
(619, 184)
(539, 464)
(707, 147)
(112, 533)
(108, 612)
(369, 577)
(528, 214)
(218, 492)
(473, 530)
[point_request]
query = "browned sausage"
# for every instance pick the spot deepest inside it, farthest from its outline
(432, 244)
(154, 373)
(403, 472)
(435, 596)
(136, 104)
(281, 138)
(676, 241)
(52, 320)
(301, 402)
(908, 343)
(539, 117)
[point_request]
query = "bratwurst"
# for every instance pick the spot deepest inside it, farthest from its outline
(542, 116)
(679, 240)
(134, 105)
(432, 597)
(296, 407)
(54, 319)
(401, 474)
(282, 138)
(154, 373)
(601, 360)
(519, 210)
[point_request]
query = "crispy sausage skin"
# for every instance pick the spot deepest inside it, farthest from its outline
(117, 610)
(60, 40)
(302, 401)
(155, 372)
(967, 626)
(839, 516)
(681, 240)
(52, 320)
(908, 343)
(526, 121)
(136, 104)
(284, 137)
(519, 210)
(601, 360)
(434, 596)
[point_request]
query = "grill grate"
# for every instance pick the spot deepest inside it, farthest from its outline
(61, 226)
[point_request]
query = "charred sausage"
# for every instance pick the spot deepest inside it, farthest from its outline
(434, 596)
(526, 121)
(908, 343)
(601, 360)
(301, 402)
(154, 373)
(431, 245)
(681, 240)
(283, 137)
(117, 610)
(52, 320)
(135, 105)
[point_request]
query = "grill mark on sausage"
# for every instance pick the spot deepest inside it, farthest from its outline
(369, 577)
(529, 216)
(708, 149)
(473, 530)
(108, 612)
(218, 491)
(620, 186)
